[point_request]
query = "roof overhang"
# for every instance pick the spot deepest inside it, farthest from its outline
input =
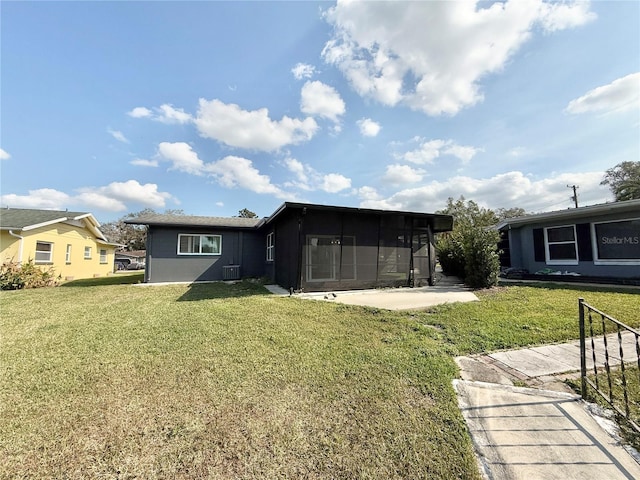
(440, 222)
(629, 206)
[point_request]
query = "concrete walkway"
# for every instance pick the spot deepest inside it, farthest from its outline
(447, 290)
(546, 432)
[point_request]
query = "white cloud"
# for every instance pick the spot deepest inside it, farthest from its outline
(320, 99)
(298, 169)
(46, 198)
(620, 95)
(429, 151)
(234, 171)
(334, 182)
(229, 124)
(401, 174)
(431, 56)
(309, 179)
(368, 127)
(368, 194)
(118, 135)
(111, 197)
(140, 112)
(168, 114)
(94, 200)
(219, 204)
(511, 189)
(165, 113)
(141, 162)
(230, 172)
(303, 70)
(461, 152)
(4, 155)
(565, 15)
(182, 157)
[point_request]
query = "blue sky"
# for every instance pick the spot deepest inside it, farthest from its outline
(211, 107)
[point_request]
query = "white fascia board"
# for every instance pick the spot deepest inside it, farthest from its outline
(44, 224)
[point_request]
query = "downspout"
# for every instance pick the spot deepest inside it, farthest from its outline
(300, 248)
(20, 247)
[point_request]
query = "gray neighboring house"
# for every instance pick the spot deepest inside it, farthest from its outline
(300, 247)
(597, 242)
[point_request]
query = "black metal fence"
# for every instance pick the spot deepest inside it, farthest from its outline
(609, 351)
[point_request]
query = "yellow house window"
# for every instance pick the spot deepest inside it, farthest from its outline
(44, 252)
(87, 253)
(67, 257)
(103, 256)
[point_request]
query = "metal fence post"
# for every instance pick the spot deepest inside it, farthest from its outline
(583, 349)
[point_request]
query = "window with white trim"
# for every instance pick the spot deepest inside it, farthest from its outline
(270, 247)
(67, 257)
(103, 256)
(87, 253)
(561, 247)
(199, 244)
(44, 252)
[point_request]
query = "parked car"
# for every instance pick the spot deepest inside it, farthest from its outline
(121, 264)
(135, 266)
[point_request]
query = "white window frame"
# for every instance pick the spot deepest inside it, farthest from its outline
(88, 255)
(217, 254)
(270, 247)
(67, 255)
(48, 252)
(574, 242)
(605, 261)
(103, 255)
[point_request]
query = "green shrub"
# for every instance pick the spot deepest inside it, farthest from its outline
(15, 276)
(482, 262)
(470, 250)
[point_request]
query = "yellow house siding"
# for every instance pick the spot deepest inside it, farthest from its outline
(9, 247)
(60, 235)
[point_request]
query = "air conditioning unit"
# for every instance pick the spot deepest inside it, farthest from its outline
(231, 272)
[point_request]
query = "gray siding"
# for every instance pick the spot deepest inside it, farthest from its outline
(522, 250)
(239, 247)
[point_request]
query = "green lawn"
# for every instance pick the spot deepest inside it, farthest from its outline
(227, 381)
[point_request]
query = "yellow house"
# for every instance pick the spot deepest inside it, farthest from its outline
(70, 243)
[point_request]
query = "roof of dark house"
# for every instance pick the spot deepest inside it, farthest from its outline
(441, 223)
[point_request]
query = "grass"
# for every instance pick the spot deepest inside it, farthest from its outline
(511, 317)
(227, 381)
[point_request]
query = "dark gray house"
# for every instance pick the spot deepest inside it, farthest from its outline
(300, 246)
(598, 242)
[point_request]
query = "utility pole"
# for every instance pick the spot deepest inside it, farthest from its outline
(575, 194)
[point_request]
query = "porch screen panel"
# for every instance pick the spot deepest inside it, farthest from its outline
(394, 255)
(364, 254)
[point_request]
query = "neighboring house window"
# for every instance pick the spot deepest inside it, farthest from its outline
(87, 253)
(44, 252)
(199, 244)
(103, 256)
(560, 245)
(67, 257)
(617, 242)
(270, 247)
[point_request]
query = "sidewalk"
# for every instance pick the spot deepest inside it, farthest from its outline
(546, 432)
